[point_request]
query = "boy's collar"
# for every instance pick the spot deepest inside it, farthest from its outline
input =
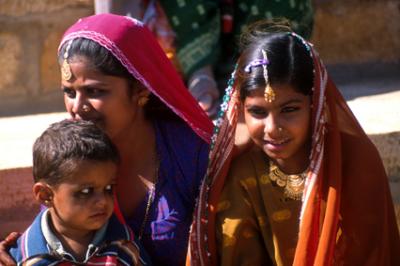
(55, 244)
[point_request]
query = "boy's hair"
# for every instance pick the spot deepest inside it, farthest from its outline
(58, 152)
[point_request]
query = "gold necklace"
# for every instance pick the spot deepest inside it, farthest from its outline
(293, 185)
(150, 200)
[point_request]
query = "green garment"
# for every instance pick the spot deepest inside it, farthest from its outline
(197, 24)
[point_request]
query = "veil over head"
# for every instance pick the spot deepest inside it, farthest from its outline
(139, 52)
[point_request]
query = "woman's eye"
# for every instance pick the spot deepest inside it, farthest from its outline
(94, 92)
(69, 92)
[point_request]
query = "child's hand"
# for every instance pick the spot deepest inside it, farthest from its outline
(5, 258)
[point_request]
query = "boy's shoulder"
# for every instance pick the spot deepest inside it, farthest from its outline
(31, 243)
(118, 244)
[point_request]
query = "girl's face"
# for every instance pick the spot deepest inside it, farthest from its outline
(105, 98)
(281, 127)
(84, 202)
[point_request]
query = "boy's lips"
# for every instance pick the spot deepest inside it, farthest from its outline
(99, 214)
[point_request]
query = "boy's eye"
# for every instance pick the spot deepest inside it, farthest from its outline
(109, 189)
(86, 191)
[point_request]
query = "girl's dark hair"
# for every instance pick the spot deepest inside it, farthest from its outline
(103, 61)
(290, 62)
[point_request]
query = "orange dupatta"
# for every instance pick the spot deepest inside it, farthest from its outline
(347, 215)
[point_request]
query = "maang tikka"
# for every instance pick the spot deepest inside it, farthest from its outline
(66, 72)
(269, 94)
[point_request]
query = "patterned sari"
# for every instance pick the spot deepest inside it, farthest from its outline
(346, 215)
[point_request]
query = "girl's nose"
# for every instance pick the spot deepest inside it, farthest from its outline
(272, 126)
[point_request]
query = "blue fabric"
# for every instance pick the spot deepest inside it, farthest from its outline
(32, 244)
(183, 161)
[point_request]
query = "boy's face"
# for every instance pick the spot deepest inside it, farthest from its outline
(84, 202)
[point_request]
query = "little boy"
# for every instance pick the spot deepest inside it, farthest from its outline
(74, 169)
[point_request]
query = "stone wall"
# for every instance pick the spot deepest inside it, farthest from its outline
(29, 35)
(357, 31)
(346, 32)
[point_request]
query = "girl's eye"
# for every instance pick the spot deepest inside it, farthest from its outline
(257, 112)
(109, 189)
(290, 109)
(69, 92)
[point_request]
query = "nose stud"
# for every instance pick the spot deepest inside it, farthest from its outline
(280, 129)
(85, 108)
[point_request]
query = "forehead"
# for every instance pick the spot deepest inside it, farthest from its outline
(93, 172)
(281, 91)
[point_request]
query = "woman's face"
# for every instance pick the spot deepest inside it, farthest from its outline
(104, 99)
(281, 127)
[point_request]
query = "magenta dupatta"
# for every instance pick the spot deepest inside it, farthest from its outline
(138, 50)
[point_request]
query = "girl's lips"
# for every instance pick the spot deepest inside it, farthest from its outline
(275, 145)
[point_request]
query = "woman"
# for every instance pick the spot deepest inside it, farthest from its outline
(312, 190)
(115, 74)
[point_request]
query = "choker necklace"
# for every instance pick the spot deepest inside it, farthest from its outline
(150, 200)
(293, 185)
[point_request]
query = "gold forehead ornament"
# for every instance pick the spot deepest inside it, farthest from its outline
(269, 94)
(66, 72)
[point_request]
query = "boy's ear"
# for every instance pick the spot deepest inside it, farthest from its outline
(43, 194)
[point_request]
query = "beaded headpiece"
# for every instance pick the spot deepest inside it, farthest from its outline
(269, 93)
(66, 72)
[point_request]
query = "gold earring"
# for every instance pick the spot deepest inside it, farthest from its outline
(48, 201)
(143, 100)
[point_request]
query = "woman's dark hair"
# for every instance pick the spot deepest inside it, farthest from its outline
(59, 151)
(103, 61)
(290, 62)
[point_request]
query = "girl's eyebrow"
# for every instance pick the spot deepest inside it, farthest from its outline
(290, 102)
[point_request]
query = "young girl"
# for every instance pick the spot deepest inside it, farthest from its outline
(312, 189)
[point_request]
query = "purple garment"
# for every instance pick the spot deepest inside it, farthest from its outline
(183, 161)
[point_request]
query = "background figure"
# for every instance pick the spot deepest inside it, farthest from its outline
(302, 193)
(200, 36)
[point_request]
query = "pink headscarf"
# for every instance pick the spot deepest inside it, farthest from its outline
(138, 51)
